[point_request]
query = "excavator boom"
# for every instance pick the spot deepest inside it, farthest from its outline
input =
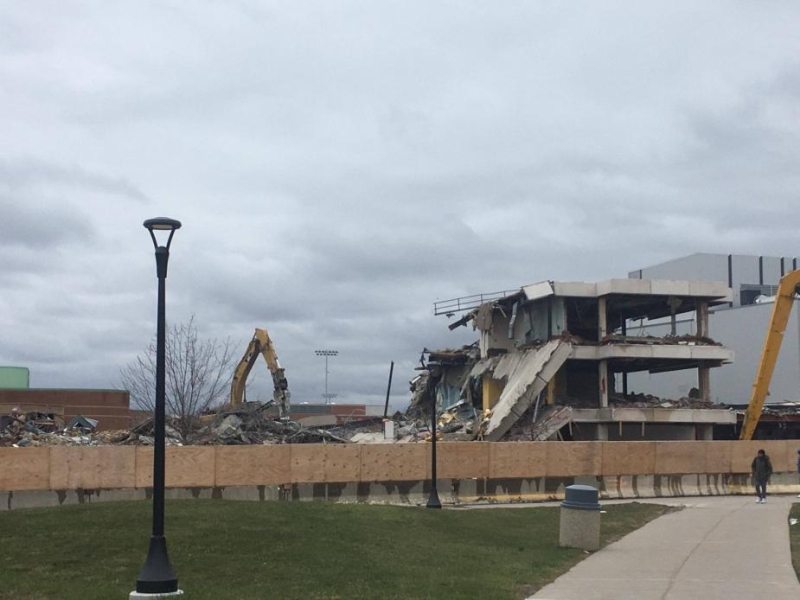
(787, 289)
(261, 344)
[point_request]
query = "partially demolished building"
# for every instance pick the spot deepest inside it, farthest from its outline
(552, 362)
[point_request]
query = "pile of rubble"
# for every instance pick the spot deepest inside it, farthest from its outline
(255, 423)
(48, 429)
(252, 424)
(459, 421)
(649, 401)
(649, 340)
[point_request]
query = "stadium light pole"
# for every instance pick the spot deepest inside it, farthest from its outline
(327, 354)
(157, 579)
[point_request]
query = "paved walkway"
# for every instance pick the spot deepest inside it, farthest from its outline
(717, 548)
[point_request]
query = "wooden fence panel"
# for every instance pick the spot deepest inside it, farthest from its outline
(119, 467)
(252, 465)
(515, 460)
(185, 466)
(101, 467)
(325, 463)
(395, 462)
(574, 459)
(629, 458)
(24, 469)
(462, 460)
(678, 458)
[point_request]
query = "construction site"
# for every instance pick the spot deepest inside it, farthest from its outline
(547, 382)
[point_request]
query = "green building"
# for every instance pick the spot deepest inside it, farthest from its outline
(15, 378)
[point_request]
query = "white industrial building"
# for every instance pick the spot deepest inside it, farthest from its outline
(740, 325)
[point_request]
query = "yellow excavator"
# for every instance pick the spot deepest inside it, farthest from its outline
(261, 344)
(788, 288)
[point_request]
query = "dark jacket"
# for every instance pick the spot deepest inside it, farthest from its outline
(761, 467)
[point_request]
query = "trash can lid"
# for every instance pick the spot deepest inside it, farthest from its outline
(581, 497)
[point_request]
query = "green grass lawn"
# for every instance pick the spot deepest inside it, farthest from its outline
(228, 549)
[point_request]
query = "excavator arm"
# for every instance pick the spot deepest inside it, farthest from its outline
(787, 289)
(261, 344)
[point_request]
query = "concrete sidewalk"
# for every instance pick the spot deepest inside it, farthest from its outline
(716, 548)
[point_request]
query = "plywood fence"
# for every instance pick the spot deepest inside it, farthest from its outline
(120, 467)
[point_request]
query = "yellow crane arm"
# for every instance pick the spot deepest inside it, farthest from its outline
(261, 344)
(787, 288)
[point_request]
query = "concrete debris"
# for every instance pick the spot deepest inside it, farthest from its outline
(22, 438)
(229, 428)
(461, 417)
(248, 424)
(669, 340)
(35, 429)
(550, 421)
(251, 423)
(422, 393)
(31, 422)
(145, 432)
(527, 374)
(83, 424)
(375, 437)
(650, 401)
(27, 435)
(525, 409)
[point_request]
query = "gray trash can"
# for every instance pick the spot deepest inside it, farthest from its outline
(580, 518)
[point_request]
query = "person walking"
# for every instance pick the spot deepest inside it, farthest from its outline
(762, 469)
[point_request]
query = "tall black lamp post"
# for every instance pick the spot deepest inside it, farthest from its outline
(433, 498)
(157, 576)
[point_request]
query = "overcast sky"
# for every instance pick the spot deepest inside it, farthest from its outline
(340, 166)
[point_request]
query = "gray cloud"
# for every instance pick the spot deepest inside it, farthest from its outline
(44, 226)
(25, 174)
(339, 167)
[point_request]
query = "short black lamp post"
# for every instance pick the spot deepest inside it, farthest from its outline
(157, 576)
(433, 499)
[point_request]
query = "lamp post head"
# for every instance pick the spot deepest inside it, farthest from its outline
(162, 252)
(162, 224)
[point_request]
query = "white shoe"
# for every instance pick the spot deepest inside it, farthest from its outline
(758, 500)
(798, 495)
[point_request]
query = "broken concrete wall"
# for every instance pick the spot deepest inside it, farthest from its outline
(450, 388)
(526, 375)
(495, 337)
(541, 321)
(505, 328)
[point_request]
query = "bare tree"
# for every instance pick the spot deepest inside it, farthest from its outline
(198, 374)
